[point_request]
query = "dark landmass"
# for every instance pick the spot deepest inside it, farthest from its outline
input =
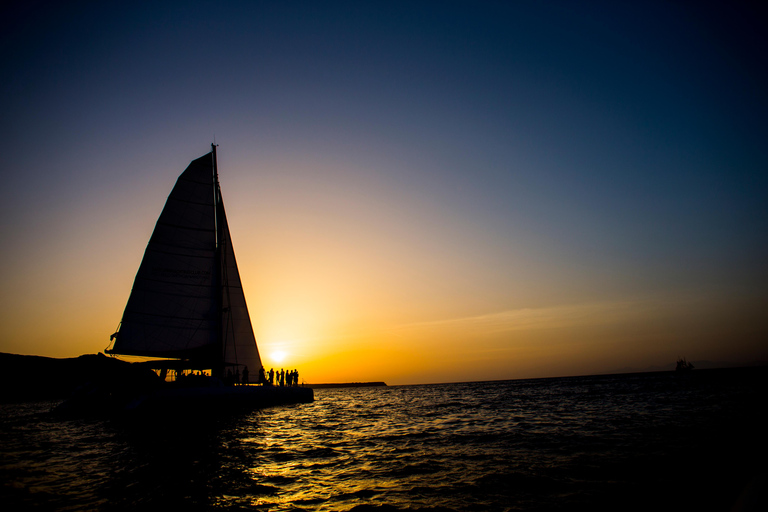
(27, 378)
(699, 365)
(347, 385)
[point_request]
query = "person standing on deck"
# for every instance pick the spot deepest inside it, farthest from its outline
(262, 376)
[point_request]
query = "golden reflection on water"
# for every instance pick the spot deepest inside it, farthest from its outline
(485, 446)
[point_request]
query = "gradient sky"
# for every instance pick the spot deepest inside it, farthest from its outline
(417, 191)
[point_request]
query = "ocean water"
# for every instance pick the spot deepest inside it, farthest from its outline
(655, 441)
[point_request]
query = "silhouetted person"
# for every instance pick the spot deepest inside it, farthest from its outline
(296, 377)
(262, 376)
(245, 375)
(282, 377)
(272, 376)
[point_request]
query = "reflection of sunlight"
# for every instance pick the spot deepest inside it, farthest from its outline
(278, 356)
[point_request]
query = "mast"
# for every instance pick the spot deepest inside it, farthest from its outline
(215, 165)
(218, 288)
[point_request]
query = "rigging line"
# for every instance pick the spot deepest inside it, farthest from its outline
(216, 193)
(196, 330)
(181, 227)
(142, 318)
(220, 225)
(187, 253)
(187, 201)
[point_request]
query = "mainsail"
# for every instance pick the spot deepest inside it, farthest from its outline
(187, 300)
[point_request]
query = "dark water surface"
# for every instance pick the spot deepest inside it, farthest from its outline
(624, 442)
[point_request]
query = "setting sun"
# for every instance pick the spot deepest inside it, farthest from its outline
(278, 356)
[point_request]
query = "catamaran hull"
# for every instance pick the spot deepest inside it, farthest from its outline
(99, 400)
(190, 399)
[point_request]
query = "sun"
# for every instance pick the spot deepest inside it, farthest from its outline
(278, 356)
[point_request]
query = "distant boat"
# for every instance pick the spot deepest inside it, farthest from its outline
(683, 365)
(187, 305)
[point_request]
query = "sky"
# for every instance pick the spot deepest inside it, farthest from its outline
(417, 191)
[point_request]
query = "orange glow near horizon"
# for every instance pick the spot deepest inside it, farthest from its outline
(393, 316)
(579, 339)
